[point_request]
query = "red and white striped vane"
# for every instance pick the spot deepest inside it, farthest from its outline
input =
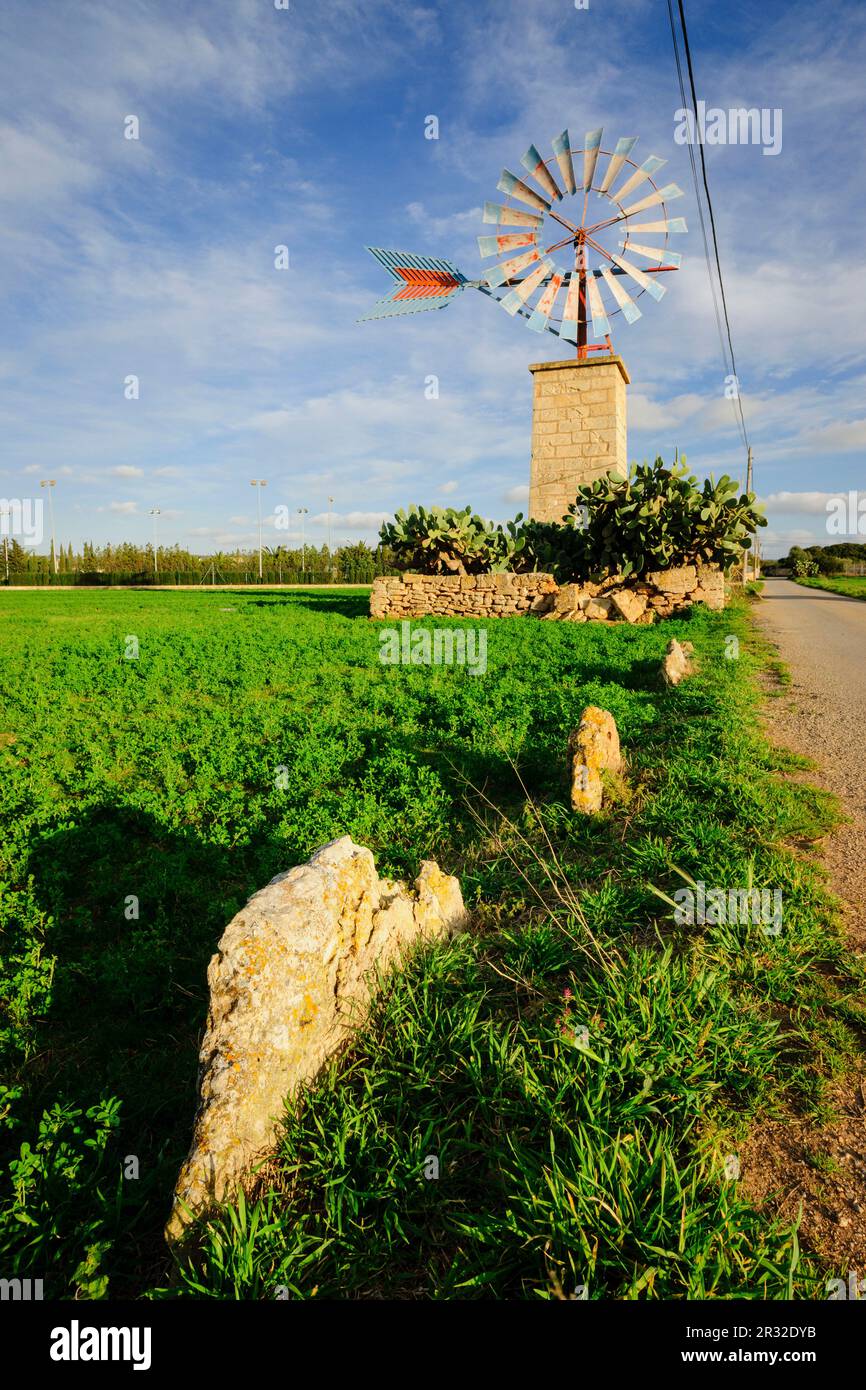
(570, 302)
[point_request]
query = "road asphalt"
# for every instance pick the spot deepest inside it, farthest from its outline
(821, 637)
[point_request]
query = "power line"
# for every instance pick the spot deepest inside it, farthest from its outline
(727, 347)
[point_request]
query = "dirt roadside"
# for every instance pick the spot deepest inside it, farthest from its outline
(792, 1164)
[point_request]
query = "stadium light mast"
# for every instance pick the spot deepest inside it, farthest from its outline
(155, 512)
(259, 483)
(4, 512)
(51, 483)
(302, 512)
(330, 547)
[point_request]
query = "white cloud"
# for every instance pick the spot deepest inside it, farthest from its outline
(40, 163)
(449, 487)
(841, 435)
(126, 470)
(520, 493)
(126, 508)
(356, 521)
(812, 503)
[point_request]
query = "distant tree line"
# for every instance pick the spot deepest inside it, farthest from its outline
(843, 557)
(130, 563)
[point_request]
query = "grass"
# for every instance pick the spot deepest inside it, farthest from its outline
(150, 786)
(852, 586)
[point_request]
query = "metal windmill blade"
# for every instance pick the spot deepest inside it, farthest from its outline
(509, 270)
(516, 298)
(620, 155)
(511, 241)
(510, 217)
(536, 166)
(591, 147)
(600, 324)
(647, 169)
(630, 310)
(539, 319)
(570, 299)
(640, 278)
(562, 150)
(516, 188)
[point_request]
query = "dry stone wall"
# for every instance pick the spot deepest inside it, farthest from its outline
(659, 594)
(461, 596)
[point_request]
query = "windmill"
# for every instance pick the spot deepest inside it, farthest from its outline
(595, 276)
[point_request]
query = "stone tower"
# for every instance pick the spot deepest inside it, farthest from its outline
(578, 429)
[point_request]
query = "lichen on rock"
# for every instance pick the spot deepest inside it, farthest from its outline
(593, 749)
(289, 983)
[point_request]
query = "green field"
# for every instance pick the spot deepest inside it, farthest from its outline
(854, 586)
(156, 778)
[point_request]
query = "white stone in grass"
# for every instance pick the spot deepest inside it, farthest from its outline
(290, 981)
(677, 663)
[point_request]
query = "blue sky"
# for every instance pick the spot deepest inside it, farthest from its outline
(305, 127)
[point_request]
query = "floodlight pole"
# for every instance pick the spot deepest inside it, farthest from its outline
(155, 512)
(748, 489)
(258, 484)
(330, 547)
(4, 513)
(51, 483)
(302, 512)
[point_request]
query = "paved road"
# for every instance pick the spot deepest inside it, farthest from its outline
(822, 639)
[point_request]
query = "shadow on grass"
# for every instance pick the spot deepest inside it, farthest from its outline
(348, 605)
(130, 995)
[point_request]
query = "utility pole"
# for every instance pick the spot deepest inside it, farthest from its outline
(51, 483)
(259, 483)
(3, 515)
(302, 512)
(155, 512)
(748, 489)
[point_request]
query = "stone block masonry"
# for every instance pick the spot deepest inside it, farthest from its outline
(461, 596)
(656, 595)
(578, 429)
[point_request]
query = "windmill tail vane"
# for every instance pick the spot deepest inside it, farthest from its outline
(423, 282)
(431, 282)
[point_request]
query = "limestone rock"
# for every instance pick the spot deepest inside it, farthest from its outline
(593, 749)
(677, 662)
(600, 610)
(290, 981)
(568, 600)
(711, 582)
(680, 579)
(629, 604)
